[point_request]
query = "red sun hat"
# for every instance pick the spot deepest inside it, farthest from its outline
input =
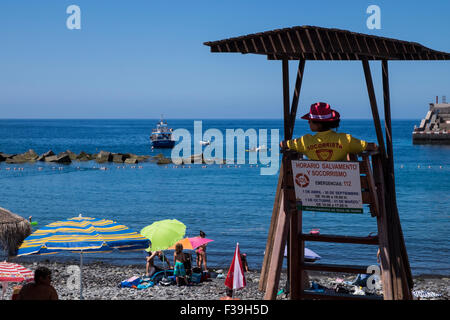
(321, 111)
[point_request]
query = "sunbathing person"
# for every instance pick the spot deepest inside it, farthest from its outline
(326, 144)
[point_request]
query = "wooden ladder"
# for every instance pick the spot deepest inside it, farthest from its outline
(287, 224)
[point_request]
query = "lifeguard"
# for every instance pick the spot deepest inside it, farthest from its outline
(326, 144)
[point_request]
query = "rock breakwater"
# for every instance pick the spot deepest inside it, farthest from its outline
(68, 157)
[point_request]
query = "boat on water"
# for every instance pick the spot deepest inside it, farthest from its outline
(435, 127)
(205, 143)
(161, 136)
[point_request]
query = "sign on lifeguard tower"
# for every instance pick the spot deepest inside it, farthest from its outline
(327, 186)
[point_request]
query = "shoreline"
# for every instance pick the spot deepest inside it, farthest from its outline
(101, 282)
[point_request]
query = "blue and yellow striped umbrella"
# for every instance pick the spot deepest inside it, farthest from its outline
(82, 234)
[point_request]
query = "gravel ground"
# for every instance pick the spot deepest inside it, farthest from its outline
(101, 282)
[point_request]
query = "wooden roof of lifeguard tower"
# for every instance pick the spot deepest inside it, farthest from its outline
(317, 43)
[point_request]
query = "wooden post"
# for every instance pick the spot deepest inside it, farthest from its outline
(293, 239)
(383, 241)
(294, 252)
(289, 121)
(280, 225)
(270, 236)
(393, 228)
(276, 259)
(374, 107)
(286, 103)
(295, 99)
(407, 282)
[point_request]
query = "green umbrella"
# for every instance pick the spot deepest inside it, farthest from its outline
(164, 234)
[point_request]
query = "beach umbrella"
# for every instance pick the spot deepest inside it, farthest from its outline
(83, 235)
(164, 233)
(235, 278)
(12, 272)
(13, 230)
(191, 243)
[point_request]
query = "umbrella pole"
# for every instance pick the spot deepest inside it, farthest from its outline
(164, 264)
(81, 275)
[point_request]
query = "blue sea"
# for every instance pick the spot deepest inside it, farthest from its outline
(230, 204)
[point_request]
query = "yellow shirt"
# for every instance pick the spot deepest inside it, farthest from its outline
(327, 145)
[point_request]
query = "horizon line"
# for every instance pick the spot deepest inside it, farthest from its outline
(195, 119)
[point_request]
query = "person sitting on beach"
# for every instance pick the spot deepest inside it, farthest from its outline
(40, 289)
(326, 144)
(201, 253)
(244, 262)
(178, 261)
(150, 267)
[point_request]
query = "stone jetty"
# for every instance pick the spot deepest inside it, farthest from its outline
(68, 157)
(435, 127)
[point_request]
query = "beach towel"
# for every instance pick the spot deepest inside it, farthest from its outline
(145, 284)
(132, 282)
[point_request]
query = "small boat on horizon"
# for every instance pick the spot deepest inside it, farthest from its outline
(256, 149)
(205, 143)
(161, 136)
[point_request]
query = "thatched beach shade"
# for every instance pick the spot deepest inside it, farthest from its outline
(13, 230)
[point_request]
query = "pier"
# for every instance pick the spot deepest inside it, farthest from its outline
(435, 127)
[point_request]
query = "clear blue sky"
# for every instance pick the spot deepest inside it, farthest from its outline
(143, 58)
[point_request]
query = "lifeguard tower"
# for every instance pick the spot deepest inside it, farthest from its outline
(376, 168)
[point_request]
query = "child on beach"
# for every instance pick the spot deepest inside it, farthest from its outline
(178, 260)
(326, 144)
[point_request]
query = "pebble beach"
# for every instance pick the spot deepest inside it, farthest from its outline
(101, 282)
